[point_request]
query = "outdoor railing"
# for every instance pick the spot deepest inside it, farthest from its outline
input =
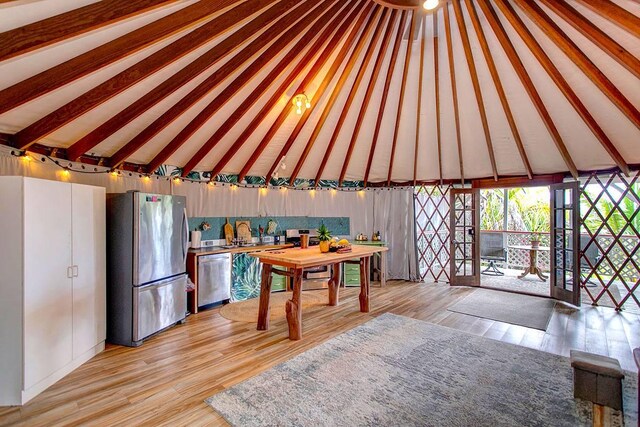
(618, 252)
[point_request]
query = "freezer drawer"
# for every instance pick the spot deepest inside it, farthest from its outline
(158, 306)
(214, 278)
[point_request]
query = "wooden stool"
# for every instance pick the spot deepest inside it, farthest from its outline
(597, 379)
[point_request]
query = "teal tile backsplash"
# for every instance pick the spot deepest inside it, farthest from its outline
(339, 226)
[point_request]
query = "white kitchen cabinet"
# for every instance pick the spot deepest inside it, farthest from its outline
(53, 287)
(88, 230)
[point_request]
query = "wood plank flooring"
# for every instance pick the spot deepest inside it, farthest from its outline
(165, 381)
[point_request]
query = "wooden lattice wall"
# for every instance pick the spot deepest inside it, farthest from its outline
(432, 229)
(610, 234)
(610, 237)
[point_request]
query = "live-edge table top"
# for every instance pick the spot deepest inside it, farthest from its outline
(312, 257)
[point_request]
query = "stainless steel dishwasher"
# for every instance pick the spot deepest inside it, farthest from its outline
(214, 279)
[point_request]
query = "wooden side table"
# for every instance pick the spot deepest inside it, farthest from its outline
(533, 261)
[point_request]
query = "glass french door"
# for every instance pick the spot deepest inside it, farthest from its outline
(465, 245)
(565, 242)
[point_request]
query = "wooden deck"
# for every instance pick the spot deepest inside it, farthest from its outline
(165, 381)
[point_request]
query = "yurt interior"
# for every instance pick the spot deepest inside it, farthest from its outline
(319, 212)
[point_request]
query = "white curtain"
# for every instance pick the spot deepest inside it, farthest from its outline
(389, 211)
(393, 215)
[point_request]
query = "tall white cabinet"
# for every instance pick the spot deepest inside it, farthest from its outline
(53, 284)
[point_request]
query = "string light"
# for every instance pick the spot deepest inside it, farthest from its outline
(263, 188)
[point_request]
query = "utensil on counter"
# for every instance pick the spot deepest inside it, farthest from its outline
(243, 228)
(228, 232)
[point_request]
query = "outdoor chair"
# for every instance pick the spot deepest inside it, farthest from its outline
(591, 257)
(492, 249)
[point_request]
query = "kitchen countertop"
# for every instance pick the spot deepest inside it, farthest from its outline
(220, 250)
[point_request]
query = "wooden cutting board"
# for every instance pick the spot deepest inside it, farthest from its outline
(228, 232)
(243, 228)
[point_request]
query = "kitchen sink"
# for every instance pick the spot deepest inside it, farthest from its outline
(242, 245)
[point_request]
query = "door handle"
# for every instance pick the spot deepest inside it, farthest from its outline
(70, 272)
(75, 270)
(185, 244)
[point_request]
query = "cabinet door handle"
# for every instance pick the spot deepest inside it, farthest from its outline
(75, 271)
(70, 272)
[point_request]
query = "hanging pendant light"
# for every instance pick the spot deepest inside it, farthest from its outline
(299, 101)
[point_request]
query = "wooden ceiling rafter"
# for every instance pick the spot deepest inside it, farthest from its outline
(282, 89)
(423, 42)
(386, 41)
(278, 29)
(250, 100)
(562, 84)
(352, 93)
(498, 85)
(385, 94)
(616, 14)
(523, 75)
(403, 87)
(573, 52)
(134, 74)
(596, 35)
(337, 89)
(75, 22)
(362, 26)
(106, 54)
(454, 89)
(308, 79)
(473, 72)
(436, 79)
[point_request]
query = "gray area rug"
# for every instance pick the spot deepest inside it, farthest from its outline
(517, 309)
(398, 371)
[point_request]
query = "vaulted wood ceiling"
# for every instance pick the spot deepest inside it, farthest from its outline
(478, 88)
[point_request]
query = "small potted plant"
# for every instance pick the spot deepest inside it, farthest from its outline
(535, 240)
(324, 236)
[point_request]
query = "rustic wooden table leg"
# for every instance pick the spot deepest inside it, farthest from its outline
(294, 307)
(364, 284)
(598, 415)
(334, 284)
(383, 269)
(265, 296)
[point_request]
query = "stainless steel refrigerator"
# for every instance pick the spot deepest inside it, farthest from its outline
(147, 243)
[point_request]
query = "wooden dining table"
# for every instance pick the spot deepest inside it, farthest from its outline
(296, 260)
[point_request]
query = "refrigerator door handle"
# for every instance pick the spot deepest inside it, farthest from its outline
(185, 238)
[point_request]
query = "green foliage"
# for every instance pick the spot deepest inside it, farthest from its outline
(528, 209)
(323, 233)
(245, 277)
(616, 217)
(492, 217)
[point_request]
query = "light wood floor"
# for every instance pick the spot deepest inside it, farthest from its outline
(165, 381)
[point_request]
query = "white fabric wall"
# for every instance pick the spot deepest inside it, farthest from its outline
(389, 211)
(10, 165)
